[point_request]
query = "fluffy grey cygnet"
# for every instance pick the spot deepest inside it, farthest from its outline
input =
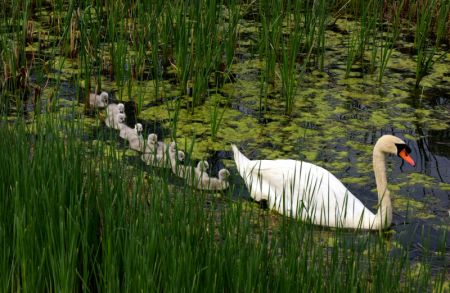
(175, 157)
(117, 121)
(114, 109)
(98, 101)
(128, 132)
(197, 177)
(155, 152)
(213, 183)
(134, 137)
(111, 111)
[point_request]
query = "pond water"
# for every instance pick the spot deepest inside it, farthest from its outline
(334, 124)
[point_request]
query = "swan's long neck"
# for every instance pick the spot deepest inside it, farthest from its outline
(383, 218)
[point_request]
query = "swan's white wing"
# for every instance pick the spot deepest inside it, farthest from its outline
(266, 179)
(304, 190)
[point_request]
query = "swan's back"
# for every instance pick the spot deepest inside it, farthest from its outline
(302, 190)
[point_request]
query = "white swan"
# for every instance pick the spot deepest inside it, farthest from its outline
(98, 101)
(117, 121)
(311, 193)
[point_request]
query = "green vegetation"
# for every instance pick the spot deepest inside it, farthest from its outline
(312, 80)
(75, 216)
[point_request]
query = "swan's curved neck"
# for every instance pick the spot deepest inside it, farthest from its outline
(383, 218)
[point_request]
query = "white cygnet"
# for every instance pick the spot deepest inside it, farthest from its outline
(175, 160)
(128, 132)
(134, 137)
(98, 101)
(117, 121)
(197, 177)
(200, 170)
(114, 109)
(155, 152)
(212, 183)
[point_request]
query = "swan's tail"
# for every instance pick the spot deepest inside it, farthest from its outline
(240, 160)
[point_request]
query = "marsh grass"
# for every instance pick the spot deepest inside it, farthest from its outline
(271, 18)
(388, 41)
(426, 51)
(231, 33)
(352, 51)
(215, 119)
(288, 73)
(76, 216)
(323, 16)
(173, 109)
(442, 22)
(198, 41)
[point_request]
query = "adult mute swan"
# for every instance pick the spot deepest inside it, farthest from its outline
(311, 193)
(98, 101)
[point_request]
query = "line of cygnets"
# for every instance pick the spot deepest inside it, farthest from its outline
(293, 188)
(157, 153)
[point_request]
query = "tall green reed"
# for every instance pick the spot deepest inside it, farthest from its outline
(208, 53)
(173, 109)
(352, 51)
(271, 18)
(288, 70)
(182, 48)
(322, 21)
(14, 81)
(442, 21)
(79, 216)
(425, 49)
(362, 32)
(387, 42)
(216, 117)
(231, 33)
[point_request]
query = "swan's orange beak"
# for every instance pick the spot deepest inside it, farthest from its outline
(405, 156)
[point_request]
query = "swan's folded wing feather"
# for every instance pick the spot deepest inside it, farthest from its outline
(266, 179)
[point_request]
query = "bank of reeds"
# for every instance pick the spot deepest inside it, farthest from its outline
(76, 216)
(130, 42)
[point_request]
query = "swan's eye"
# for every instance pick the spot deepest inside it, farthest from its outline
(401, 147)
